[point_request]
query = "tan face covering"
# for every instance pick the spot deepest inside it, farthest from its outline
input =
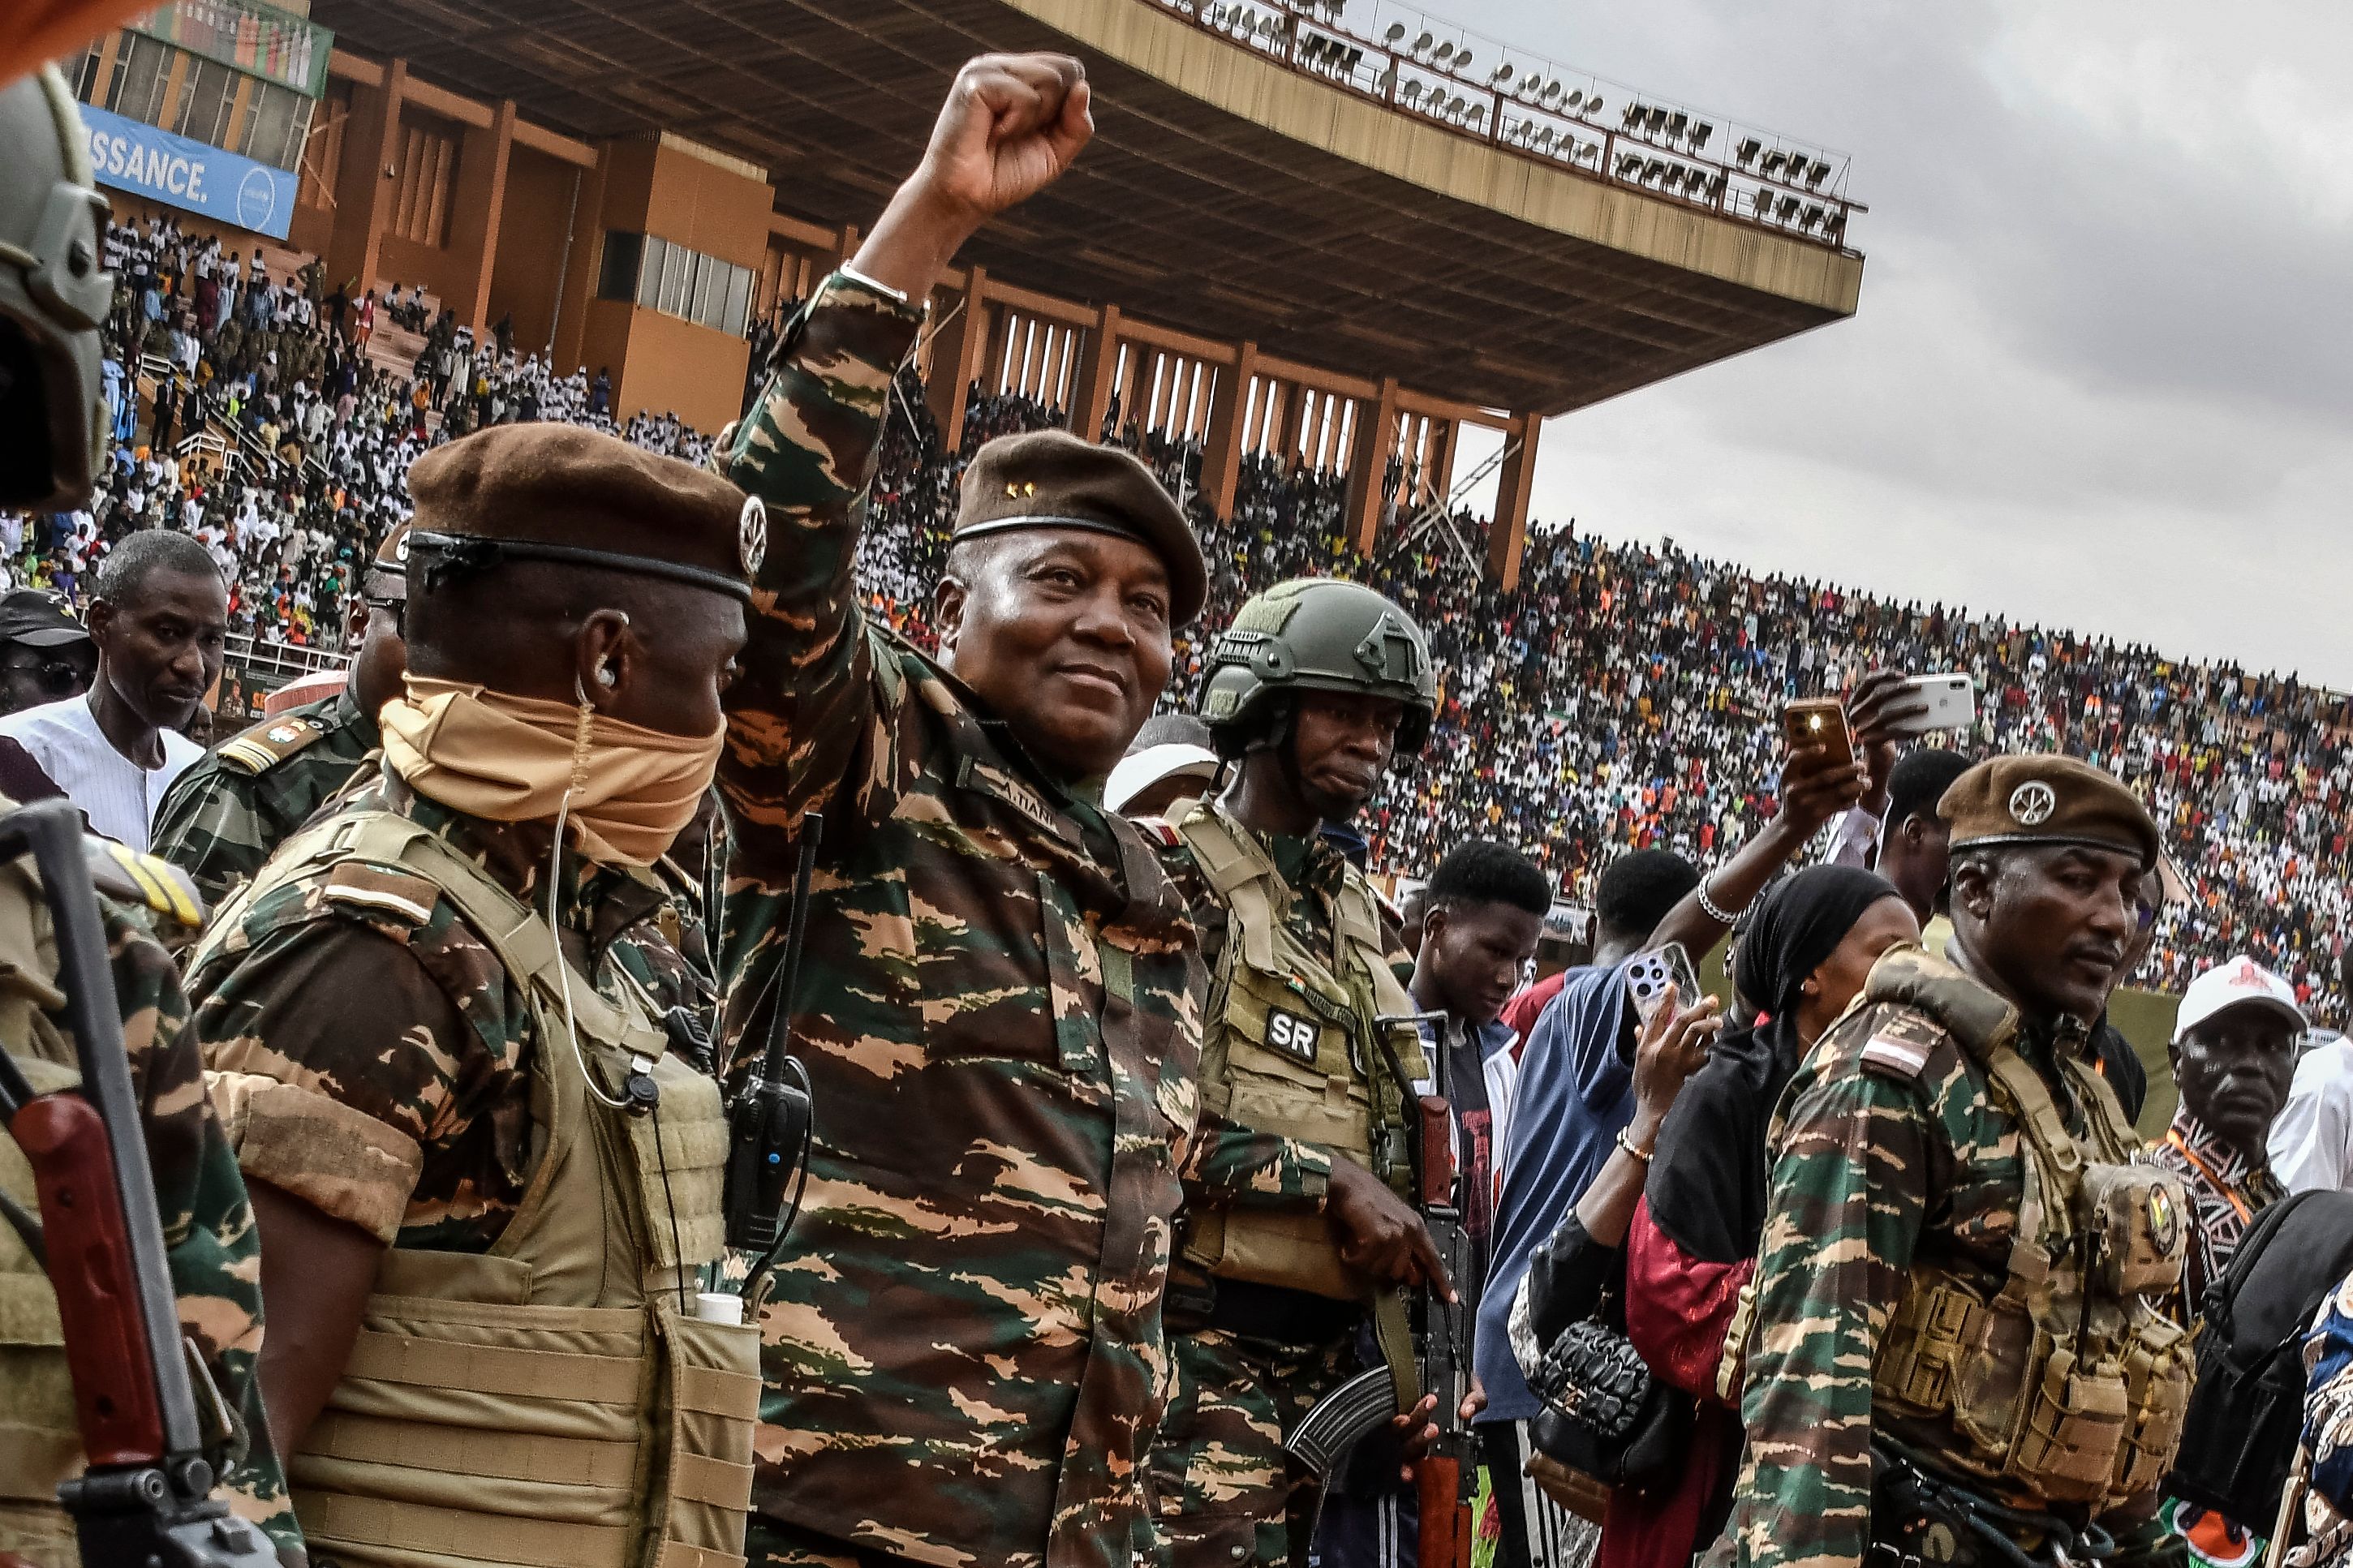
(512, 759)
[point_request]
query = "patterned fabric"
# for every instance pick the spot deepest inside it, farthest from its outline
(999, 1013)
(1891, 1151)
(2227, 1190)
(2328, 1436)
(427, 1088)
(211, 1247)
(1225, 1491)
(221, 819)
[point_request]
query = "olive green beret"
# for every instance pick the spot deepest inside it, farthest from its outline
(558, 492)
(1051, 479)
(2047, 800)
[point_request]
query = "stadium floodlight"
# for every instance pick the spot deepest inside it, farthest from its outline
(1677, 123)
(1658, 121)
(1216, 16)
(1634, 113)
(1463, 60)
(1552, 93)
(1655, 170)
(1388, 80)
(1460, 104)
(1764, 201)
(1694, 180)
(1543, 140)
(1478, 116)
(1422, 44)
(1814, 215)
(1715, 188)
(1396, 32)
(1629, 164)
(1501, 76)
(1788, 208)
(1818, 174)
(1700, 133)
(1575, 99)
(1747, 150)
(1268, 28)
(1412, 93)
(1774, 162)
(1445, 54)
(1593, 105)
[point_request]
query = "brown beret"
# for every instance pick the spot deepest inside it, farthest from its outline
(558, 492)
(387, 575)
(1051, 479)
(2047, 800)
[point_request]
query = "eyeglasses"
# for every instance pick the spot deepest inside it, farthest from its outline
(55, 676)
(397, 608)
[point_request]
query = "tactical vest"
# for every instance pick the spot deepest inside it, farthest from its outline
(2059, 1377)
(554, 1402)
(1293, 1045)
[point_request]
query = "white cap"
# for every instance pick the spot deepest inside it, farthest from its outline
(2237, 982)
(1139, 771)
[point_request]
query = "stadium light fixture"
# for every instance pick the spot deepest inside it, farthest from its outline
(1634, 115)
(1462, 60)
(1445, 54)
(1814, 215)
(1764, 199)
(1700, 133)
(1478, 116)
(1677, 123)
(1629, 164)
(1593, 105)
(1388, 80)
(1396, 32)
(1747, 150)
(1460, 104)
(1817, 175)
(1501, 76)
(1774, 162)
(1590, 153)
(1659, 122)
(1788, 208)
(1552, 93)
(1422, 44)
(1412, 93)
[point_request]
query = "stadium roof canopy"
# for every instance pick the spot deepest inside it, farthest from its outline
(1245, 183)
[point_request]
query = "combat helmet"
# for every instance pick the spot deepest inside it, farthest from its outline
(54, 294)
(1316, 633)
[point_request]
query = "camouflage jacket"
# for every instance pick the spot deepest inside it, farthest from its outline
(211, 1247)
(1000, 1011)
(221, 818)
(427, 1086)
(1889, 1148)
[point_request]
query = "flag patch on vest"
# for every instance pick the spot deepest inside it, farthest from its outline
(1909, 1057)
(1292, 1035)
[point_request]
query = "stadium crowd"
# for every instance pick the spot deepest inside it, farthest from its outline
(1624, 695)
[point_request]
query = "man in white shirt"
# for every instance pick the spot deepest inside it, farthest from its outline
(2311, 1144)
(159, 617)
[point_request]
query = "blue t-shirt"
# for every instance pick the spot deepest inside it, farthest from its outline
(1575, 1094)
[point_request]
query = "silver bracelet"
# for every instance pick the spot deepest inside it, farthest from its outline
(1709, 907)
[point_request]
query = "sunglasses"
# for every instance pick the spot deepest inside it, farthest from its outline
(58, 678)
(397, 608)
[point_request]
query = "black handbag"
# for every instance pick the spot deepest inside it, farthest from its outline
(1604, 1413)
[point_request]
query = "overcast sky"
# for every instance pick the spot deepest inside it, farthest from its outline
(2100, 376)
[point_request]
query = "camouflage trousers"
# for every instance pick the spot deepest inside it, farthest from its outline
(1223, 1490)
(772, 1543)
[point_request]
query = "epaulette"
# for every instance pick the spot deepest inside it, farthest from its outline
(379, 889)
(1901, 1044)
(264, 746)
(121, 872)
(1160, 830)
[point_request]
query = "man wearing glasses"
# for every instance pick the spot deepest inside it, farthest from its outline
(225, 815)
(45, 655)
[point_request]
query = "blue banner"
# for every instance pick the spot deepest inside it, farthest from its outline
(131, 155)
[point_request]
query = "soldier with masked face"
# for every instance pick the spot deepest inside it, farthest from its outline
(482, 1179)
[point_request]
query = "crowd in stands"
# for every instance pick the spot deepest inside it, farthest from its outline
(1626, 695)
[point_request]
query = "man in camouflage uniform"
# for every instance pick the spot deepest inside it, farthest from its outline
(223, 816)
(1000, 1003)
(209, 1241)
(1313, 688)
(384, 1065)
(1953, 1359)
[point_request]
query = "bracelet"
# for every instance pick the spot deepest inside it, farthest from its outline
(1708, 906)
(1628, 1144)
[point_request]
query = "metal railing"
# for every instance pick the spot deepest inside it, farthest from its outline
(281, 659)
(1515, 100)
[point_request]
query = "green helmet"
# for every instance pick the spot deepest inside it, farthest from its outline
(54, 294)
(1316, 634)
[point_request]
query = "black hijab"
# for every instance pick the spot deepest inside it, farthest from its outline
(1706, 1186)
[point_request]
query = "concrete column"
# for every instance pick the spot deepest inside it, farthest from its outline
(582, 264)
(992, 355)
(1098, 375)
(1293, 421)
(364, 187)
(1375, 442)
(1508, 538)
(956, 359)
(1221, 454)
(1439, 474)
(481, 195)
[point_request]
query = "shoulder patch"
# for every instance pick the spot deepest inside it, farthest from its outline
(267, 744)
(355, 884)
(1160, 830)
(1889, 1053)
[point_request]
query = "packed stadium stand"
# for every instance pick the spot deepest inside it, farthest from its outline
(1621, 695)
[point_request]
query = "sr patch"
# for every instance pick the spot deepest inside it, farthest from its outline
(1292, 1035)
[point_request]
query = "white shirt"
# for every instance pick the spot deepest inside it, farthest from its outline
(2311, 1144)
(117, 794)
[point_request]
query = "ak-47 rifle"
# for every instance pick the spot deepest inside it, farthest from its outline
(147, 1497)
(1447, 1475)
(770, 1124)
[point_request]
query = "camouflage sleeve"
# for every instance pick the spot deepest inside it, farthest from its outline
(341, 1106)
(798, 709)
(1847, 1202)
(212, 1249)
(206, 826)
(1233, 1166)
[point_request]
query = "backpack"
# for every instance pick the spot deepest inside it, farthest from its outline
(2246, 1412)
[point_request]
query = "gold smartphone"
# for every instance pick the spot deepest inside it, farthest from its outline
(1818, 721)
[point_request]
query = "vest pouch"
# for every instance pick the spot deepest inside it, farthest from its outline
(2135, 1217)
(484, 1431)
(2159, 1371)
(1992, 1383)
(701, 1486)
(1935, 1330)
(2074, 1426)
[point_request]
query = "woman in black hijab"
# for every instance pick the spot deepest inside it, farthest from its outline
(1808, 948)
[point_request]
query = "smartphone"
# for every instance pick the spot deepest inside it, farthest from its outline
(1651, 976)
(1952, 702)
(1818, 721)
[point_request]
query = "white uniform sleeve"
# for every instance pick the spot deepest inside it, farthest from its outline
(2311, 1144)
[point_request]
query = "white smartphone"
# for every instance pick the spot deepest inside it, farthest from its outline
(1651, 976)
(1952, 702)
